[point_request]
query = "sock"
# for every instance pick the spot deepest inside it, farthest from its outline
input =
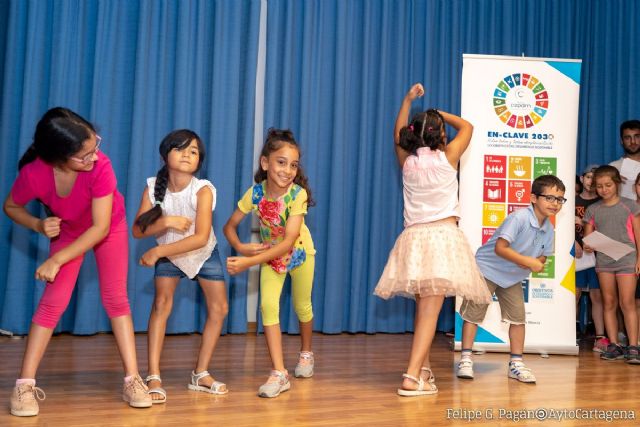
(30, 381)
(466, 353)
(515, 358)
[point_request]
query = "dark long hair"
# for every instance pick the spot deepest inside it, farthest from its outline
(59, 134)
(276, 138)
(426, 129)
(179, 140)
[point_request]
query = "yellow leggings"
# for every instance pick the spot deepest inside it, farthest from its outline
(271, 284)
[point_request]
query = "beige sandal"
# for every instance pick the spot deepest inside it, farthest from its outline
(216, 387)
(424, 388)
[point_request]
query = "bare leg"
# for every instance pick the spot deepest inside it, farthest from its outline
(597, 310)
(160, 312)
(627, 290)
(37, 343)
(469, 331)
(122, 327)
(217, 308)
(306, 333)
(427, 311)
(516, 338)
(274, 343)
(610, 304)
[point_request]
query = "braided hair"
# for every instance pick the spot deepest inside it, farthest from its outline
(179, 140)
(276, 138)
(426, 129)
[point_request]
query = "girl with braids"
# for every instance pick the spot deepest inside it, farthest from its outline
(431, 259)
(177, 208)
(65, 170)
(280, 199)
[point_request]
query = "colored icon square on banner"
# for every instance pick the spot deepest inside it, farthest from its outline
(544, 166)
(494, 190)
(525, 290)
(512, 208)
(495, 166)
(519, 167)
(486, 234)
(549, 269)
(493, 214)
(519, 191)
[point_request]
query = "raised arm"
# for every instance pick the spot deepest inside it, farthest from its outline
(456, 148)
(402, 119)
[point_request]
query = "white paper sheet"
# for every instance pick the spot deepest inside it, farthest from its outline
(607, 246)
(587, 260)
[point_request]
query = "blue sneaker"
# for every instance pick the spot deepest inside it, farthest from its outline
(632, 355)
(613, 352)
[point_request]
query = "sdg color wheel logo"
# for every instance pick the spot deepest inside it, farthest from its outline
(520, 100)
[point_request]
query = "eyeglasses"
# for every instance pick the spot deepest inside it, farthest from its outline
(87, 158)
(549, 198)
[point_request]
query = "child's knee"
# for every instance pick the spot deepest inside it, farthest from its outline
(163, 304)
(304, 311)
(218, 309)
(270, 312)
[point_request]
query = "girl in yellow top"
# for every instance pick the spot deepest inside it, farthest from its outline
(280, 198)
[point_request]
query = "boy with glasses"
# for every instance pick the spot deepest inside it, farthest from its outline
(519, 246)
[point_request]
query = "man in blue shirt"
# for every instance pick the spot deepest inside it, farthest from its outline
(519, 246)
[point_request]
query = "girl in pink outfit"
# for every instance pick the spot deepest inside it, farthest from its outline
(431, 258)
(65, 170)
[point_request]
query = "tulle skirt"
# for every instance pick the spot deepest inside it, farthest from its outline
(432, 259)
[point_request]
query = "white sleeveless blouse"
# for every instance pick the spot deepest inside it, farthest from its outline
(184, 203)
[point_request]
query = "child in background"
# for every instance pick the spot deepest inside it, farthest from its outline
(616, 217)
(587, 280)
(431, 258)
(65, 170)
(518, 247)
(637, 189)
(177, 207)
(280, 198)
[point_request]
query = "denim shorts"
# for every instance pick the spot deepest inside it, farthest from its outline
(210, 270)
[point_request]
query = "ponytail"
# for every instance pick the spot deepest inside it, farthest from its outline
(425, 130)
(159, 191)
(29, 156)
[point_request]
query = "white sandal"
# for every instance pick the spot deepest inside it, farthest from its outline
(216, 387)
(423, 389)
(158, 390)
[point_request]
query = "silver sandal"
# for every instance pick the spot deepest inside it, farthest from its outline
(216, 388)
(157, 390)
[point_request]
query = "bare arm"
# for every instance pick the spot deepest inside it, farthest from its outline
(179, 223)
(504, 250)
(456, 148)
(402, 119)
(588, 229)
(635, 223)
(50, 226)
(204, 217)
(236, 265)
(230, 231)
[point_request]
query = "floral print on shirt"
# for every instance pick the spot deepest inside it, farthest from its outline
(273, 215)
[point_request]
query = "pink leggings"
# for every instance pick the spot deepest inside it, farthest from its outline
(112, 259)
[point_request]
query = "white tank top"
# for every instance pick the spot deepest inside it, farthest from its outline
(430, 187)
(185, 203)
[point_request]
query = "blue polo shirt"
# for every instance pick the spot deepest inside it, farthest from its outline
(525, 236)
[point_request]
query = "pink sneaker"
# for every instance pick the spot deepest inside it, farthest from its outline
(600, 346)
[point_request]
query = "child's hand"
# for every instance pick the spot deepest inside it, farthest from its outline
(535, 265)
(416, 91)
(150, 257)
(48, 270)
(178, 223)
(586, 248)
(237, 264)
(578, 250)
(251, 249)
(50, 226)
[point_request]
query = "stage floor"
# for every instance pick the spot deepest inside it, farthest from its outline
(354, 384)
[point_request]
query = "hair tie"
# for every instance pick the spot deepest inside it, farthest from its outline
(411, 128)
(157, 203)
(430, 128)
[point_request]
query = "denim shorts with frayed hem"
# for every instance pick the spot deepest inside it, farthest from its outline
(210, 270)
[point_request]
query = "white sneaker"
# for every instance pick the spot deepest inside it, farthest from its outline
(465, 369)
(276, 384)
(304, 368)
(519, 371)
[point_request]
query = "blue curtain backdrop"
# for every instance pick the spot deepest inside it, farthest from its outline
(336, 72)
(137, 69)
